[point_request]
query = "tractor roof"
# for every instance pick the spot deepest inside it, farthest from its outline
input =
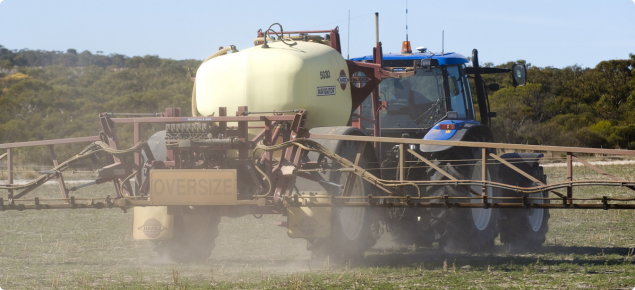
(448, 58)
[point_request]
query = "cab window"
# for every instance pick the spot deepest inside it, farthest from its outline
(422, 100)
(456, 92)
(413, 102)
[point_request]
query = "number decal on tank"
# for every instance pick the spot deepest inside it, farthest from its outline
(325, 74)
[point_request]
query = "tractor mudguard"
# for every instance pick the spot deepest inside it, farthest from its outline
(479, 131)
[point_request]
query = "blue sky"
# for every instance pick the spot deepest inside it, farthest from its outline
(545, 33)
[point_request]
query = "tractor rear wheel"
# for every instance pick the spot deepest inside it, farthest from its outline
(465, 230)
(526, 229)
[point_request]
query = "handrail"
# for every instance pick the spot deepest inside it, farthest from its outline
(475, 144)
(49, 142)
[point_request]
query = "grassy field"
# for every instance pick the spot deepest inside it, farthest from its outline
(93, 249)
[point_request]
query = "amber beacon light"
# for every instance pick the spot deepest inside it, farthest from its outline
(405, 47)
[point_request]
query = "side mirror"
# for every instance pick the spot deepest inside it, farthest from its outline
(493, 87)
(519, 73)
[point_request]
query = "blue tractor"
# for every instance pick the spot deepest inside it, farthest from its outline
(436, 103)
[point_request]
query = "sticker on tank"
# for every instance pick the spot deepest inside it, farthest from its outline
(326, 91)
(342, 79)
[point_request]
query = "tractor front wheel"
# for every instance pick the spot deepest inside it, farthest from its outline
(526, 229)
(465, 230)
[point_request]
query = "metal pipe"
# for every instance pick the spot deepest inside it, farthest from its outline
(569, 174)
(299, 32)
(476, 144)
(228, 141)
(82, 186)
(10, 165)
(60, 177)
(348, 34)
(220, 118)
(269, 112)
(49, 142)
(476, 205)
(134, 114)
(326, 182)
(484, 170)
(377, 30)
(401, 162)
(132, 203)
(480, 90)
(137, 159)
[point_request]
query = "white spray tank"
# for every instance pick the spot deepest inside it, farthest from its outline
(305, 75)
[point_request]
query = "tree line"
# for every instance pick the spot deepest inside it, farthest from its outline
(572, 106)
(70, 58)
(54, 94)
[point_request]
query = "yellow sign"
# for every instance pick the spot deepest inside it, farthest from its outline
(193, 187)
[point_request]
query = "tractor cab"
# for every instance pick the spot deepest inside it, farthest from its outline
(415, 104)
(434, 103)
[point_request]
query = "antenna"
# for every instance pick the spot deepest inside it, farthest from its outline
(442, 41)
(348, 42)
(406, 20)
(405, 46)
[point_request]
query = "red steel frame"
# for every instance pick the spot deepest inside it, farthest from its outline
(290, 157)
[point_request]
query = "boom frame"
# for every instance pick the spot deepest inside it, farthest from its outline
(289, 129)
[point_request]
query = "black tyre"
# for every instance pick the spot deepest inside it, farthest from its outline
(524, 229)
(464, 230)
(351, 233)
(194, 238)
